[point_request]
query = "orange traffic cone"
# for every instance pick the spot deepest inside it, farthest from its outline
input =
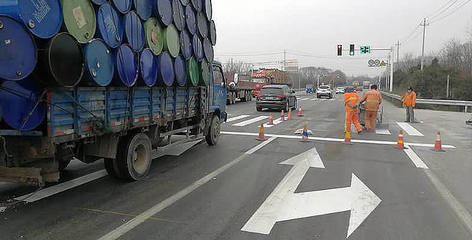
(271, 119)
(261, 133)
(290, 114)
(300, 112)
(438, 143)
(305, 135)
(401, 141)
(347, 138)
(282, 116)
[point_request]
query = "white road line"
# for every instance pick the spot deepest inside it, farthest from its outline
(250, 121)
(409, 129)
(47, 192)
(304, 99)
(414, 157)
(337, 140)
(131, 224)
(237, 118)
(276, 122)
(382, 132)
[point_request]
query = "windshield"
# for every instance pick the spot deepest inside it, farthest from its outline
(272, 91)
(324, 87)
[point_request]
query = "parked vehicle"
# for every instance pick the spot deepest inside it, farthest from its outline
(125, 126)
(340, 90)
(324, 91)
(279, 97)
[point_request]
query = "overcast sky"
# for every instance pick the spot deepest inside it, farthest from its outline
(314, 28)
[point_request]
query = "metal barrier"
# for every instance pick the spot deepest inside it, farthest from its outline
(465, 104)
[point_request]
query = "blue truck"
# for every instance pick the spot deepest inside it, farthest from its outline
(124, 126)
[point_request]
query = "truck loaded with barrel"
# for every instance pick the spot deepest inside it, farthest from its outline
(98, 79)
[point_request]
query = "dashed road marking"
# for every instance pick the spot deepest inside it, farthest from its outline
(136, 221)
(414, 157)
(237, 118)
(250, 121)
(410, 130)
(383, 132)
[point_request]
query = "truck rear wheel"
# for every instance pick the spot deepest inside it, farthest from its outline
(214, 131)
(134, 157)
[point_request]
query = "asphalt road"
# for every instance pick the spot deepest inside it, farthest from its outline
(246, 189)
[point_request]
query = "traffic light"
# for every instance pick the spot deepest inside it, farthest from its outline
(340, 50)
(365, 49)
(351, 50)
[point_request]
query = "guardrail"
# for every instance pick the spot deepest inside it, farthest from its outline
(465, 104)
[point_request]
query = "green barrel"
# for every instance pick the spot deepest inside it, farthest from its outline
(154, 35)
(79, 19)
(205, 73)
(193, 72)
(172, 40)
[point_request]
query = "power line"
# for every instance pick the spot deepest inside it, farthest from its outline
(444, 8)
(450, 13)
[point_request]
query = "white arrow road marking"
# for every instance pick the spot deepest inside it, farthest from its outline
(284, 204)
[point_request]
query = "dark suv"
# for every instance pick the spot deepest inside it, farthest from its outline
(276, 97)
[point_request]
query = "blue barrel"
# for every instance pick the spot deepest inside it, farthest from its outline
(124, 6)
(180, 71)
(197, 5)
(99, 65)
(163, 11)
(149, 68)
(212, 33)
(186, 45)
(185, 2)
(208, 50)
(126, 66)
(134, 31)
(19, 100)
(191, 20)
(143, 8)
(166, 69)
(178, 15)
(110, 28)
(202, 25)
(208, 7)
(99, 2)
(17, 50)
(42, 17)
(198, 48)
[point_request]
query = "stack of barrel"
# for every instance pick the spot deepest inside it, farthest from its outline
(47, 44)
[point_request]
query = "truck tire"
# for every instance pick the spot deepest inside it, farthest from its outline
(112, 168)
(63, 164)
(259, 109)
(213, 131)
(134, 157)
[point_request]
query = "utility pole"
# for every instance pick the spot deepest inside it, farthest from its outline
(285, 60)
(391, 70)
(398, 51)
(424, 35)
(447, 87)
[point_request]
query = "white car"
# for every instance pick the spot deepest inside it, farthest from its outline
(324, 91)
(339, 90)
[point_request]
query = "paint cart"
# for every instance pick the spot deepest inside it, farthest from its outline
(362, 115)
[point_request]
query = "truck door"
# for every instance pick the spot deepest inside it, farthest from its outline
(219, 91)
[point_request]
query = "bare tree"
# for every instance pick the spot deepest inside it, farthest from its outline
(231, 67)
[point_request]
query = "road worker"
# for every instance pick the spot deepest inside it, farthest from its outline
(372, 100)
(409, 101)
(351, 102)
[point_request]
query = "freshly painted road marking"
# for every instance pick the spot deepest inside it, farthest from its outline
(136, 221)
(414, 157)
(276, 122)
(409, 129)
(250, 121)
(340, 140)
(284, 204)
(383, 132)
(237, 118)
(47, 192)
(304, 99)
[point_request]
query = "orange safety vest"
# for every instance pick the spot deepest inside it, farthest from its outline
(372, 100)
(352, 98)
(409, 99)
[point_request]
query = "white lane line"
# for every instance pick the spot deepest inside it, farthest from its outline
(250, 121)
(276, 122)
(414, 157)
(304, 99)
(237, 118)
(382, 132)
(409, 129)
(136, 221)
(47, 192)
(337, 140)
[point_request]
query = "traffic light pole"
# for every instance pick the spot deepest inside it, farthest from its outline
(391, 69)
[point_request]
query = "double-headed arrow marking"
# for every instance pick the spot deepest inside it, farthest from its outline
(284, 204)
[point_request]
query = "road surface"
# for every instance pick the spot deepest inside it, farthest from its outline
(280, 188)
